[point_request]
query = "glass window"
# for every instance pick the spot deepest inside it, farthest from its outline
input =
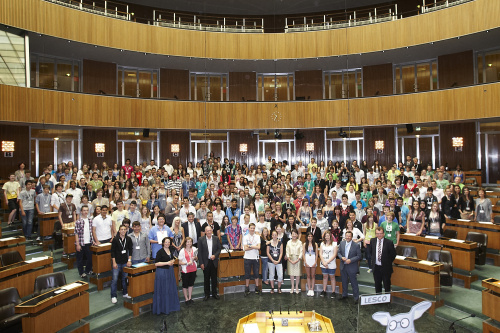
(55, 73)
(46, 73)
(209, 87)
(135, 82)
(488, 67)
(64, 76)
(415, 77)
(343, 84)
(275, 87)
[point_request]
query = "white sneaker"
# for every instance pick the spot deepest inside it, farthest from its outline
(369, 271)
(126, 296)
(310, 293)
(114, 300)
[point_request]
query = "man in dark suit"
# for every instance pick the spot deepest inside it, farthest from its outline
(243, 201)
(383, 254)
(192, 228)
(349, 254)
(208, 253)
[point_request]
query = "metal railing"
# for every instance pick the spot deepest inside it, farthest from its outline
(437, 5)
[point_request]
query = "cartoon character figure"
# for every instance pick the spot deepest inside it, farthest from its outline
(403, 322)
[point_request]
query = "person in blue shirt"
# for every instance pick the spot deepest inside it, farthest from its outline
(201, 186)
(383, 217)
(187, 184)
(404, 212)
(159, 231)
(233, 210)
(358, 199)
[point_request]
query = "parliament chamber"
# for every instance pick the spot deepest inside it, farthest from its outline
(252, 102)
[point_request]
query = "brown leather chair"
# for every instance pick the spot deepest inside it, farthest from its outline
(445, 258)
(406, 251)
(9, 320)
(482, 243)
(47, 282)
(450, 233)
(496, 219)
(9, 258)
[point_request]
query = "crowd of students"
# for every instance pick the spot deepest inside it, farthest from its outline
(260, 209)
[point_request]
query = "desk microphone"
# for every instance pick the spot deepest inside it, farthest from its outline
(163, 328)
(452, 326)
(280, 309)
(272, 318)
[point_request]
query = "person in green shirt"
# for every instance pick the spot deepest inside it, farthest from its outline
(366, 194)
(309, 185)
(95, 182)
(441, 182)
(391, 228)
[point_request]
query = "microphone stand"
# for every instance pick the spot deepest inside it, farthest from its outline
(452, 326)
(272, 318)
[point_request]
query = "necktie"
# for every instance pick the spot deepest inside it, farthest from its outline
(347, 249)
(379, 251)
(192, 231)
(242, 204)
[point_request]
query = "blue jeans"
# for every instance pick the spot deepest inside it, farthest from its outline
(138, 261)
(114, 282)
(264, 268)
(28, 221)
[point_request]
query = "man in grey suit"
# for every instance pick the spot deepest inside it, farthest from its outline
(349, 254)
(243, 201)
(208, 253)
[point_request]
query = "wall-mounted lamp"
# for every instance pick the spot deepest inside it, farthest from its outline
(100, 149)
(8, 148)
(458, 143)
(243, 149)
(379, 146)
(175, 149)
(310, 147)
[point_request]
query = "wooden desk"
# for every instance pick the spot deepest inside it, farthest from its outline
(101, 263)
(412, 274)
(22, 275)
(51, 311)
(492, 230)
(69, 247)
(491, 304)
(141, 282)
(16, 243)
(463, 254)
(46, 227)
(297, 321)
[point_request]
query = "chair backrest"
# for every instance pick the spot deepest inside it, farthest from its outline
(478, 237)
(406, 251)
(496, 219)
(440, 256)
(9, 258)
(9, 298)
(46, 282)
(449, 233)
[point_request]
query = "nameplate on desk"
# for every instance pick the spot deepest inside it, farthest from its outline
(457, 240)
(101, 245)
(463, 220)
(71, 286)
(400, 257)
(142, 264)
(7, 239)
(410, 234)
(37, 259)
(428, 263)
(486, 222)
(432, 237)
(375, 299)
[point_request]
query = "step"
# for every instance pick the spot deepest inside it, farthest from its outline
(486, 271)
(104, 322)
(455, 296)
(101, 304)
(477, 285)
(451, 314)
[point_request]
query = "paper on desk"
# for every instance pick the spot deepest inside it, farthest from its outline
(71, 286)
(251, 328)
(400, 257)
(37, 259)
(432, 237)
(486, 222)
(139, 265)
(227, 250)
(410, 234)
(463, 220)
(59, 291)
(104, 244)
(7, 239)
(428, 263)
(457, 240)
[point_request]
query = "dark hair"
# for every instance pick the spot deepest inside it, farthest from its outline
(313, 242)
(164, 239)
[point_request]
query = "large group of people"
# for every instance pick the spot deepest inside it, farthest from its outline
(153, 213)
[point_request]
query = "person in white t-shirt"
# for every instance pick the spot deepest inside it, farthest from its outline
(76, 192)
(103, 227)
(262, 224)
(251, 246)
(120, 214)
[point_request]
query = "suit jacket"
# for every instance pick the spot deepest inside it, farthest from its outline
(203, 250)
(198, 230)
(247, 202)
(316, 235)
(91, 194)
(354, 254)
(388, 253)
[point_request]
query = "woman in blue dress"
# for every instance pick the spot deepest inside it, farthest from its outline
(165, 297)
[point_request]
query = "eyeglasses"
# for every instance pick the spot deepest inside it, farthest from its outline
(404, 323)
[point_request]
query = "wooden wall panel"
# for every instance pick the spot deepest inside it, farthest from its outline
(21, 137)
(314, 136)
(242, 86)
(467, 157)
(54, 107)
(386, 134)
(456, 70)
(92, 136)
(309, 85)
(174, 84)
(174, 137)
(377, 80)
(54, 20)
(99, 76)
(235, 139)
